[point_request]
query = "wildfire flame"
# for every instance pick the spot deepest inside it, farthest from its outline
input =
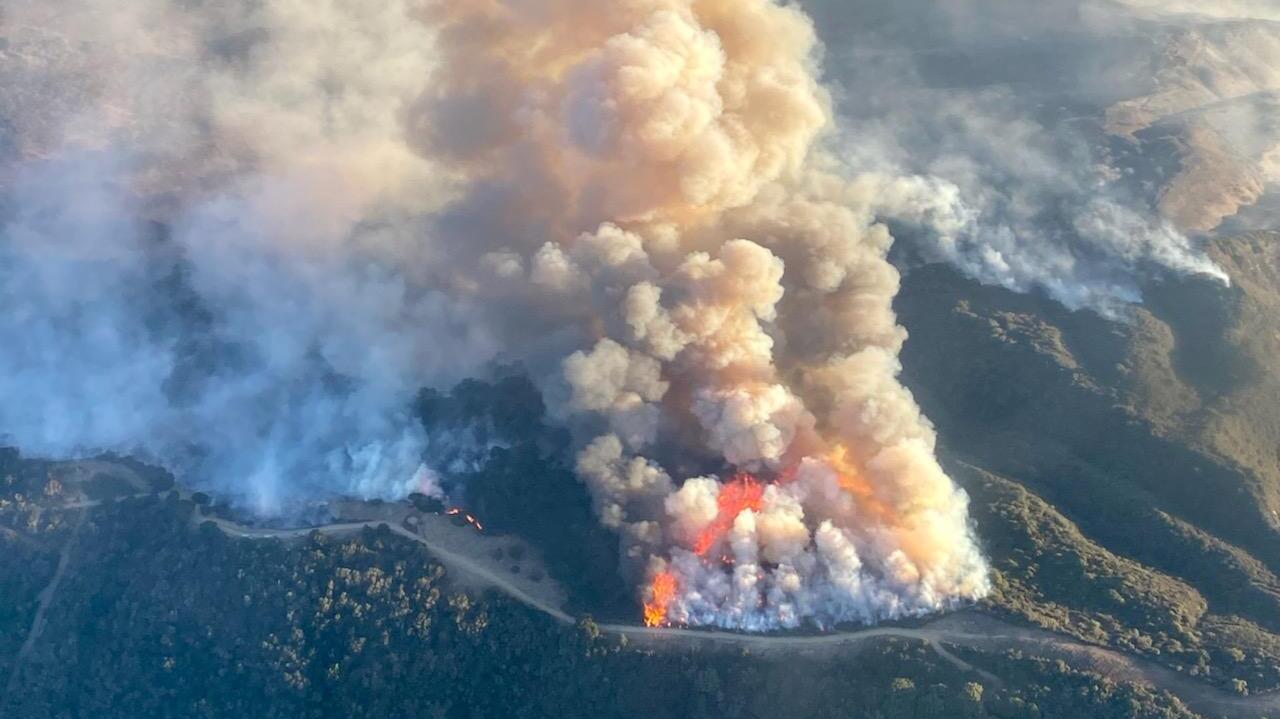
(467, 517)
(745, 492)
(661, 593)
(852, 481)
(739, 494)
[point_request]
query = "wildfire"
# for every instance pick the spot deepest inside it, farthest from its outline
(466, 517)
(739, 494)
(661, 593)
(852, 481)
(745, 492)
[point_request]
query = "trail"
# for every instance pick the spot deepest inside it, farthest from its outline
(44, 599)
(769, 643)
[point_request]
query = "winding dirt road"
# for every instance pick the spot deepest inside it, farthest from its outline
(43, 600)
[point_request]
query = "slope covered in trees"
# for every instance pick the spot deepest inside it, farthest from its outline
(162, 617)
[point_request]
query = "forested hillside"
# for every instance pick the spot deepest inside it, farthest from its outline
(156, 618)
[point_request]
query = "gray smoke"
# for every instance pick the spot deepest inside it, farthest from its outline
(191, 343)
(197, 262)
(1089, 142)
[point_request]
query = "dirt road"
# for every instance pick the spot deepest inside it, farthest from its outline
(43, 600)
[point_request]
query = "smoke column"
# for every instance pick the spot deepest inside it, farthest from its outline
(657, 172)
(236, 238)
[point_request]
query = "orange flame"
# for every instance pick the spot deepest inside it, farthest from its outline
(852, 481)
(661, 593)
(466, 517)
(739, 494)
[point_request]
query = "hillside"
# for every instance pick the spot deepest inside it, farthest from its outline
(1128, 477)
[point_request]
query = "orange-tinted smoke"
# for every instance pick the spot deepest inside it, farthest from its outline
(662, 592)
(741, 493)
(852, 481)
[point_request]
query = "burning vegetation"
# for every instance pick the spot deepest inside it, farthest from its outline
(742, 493)
(662, 591)
(466, 517)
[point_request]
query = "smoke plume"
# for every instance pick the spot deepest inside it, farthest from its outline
(237, 237)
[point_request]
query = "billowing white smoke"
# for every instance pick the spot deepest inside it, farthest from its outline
(733, 301)
(260, 226)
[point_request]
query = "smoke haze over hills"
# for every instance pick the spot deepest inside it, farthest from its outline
(237, 238)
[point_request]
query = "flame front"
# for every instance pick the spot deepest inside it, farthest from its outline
(661, 593)
(741, 493)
